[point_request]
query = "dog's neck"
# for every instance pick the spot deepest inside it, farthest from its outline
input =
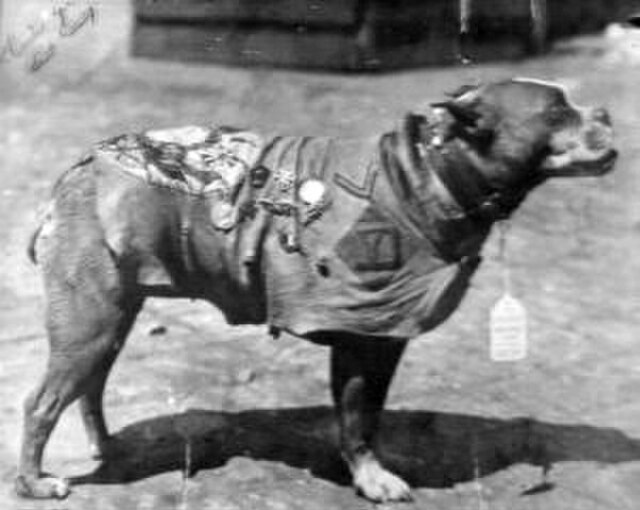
(431, 171)
(469, 177)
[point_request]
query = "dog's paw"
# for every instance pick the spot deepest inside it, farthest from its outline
(377, 484)
(47, 487)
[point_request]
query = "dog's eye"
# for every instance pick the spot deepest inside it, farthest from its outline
(556, 116)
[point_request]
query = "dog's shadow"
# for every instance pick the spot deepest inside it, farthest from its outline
(427, 449)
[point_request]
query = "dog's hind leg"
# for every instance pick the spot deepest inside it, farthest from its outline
(361, 372)
(89, 313)
(84, 344)
(101, 444)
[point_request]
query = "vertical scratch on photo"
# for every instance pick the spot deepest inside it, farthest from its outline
(186, 473)
(482, 503)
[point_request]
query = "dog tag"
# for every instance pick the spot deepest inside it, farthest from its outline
(508, 330)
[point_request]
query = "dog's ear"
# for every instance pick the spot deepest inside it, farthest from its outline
(472, 121)
(463, 113)
(462, 90)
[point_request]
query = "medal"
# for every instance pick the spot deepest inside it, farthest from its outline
(259, 176)
(312, 192)
(314, 198)
(285, 179)
(223, 215)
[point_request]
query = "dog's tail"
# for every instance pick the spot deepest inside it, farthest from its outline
(31, 247)
(43, 219)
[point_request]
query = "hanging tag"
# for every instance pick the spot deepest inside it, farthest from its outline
(508, 330)
(508, 317)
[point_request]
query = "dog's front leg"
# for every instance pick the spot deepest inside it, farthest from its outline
(361, 371)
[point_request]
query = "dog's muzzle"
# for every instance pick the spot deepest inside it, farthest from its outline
(586, 150)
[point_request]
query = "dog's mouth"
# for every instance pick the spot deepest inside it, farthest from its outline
(606, 163)
(567, 165)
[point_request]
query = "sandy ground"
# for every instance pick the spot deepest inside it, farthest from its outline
(467, 432)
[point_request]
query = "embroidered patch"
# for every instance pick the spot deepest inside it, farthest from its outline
(372, 248)
(363, 189)
(185, 136)
(193, 159)
(378, 248)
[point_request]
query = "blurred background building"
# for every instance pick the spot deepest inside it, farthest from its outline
(361, 34)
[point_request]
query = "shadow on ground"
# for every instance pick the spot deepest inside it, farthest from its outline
(434, 450)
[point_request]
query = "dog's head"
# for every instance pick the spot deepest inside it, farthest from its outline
(531, 127)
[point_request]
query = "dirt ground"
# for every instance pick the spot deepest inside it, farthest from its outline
(560, 430)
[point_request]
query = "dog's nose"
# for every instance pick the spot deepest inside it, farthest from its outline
(601, 115)
(598, 138)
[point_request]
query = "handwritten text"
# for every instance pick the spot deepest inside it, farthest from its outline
(37, 44)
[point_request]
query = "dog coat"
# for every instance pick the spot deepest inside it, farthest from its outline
(312, 234)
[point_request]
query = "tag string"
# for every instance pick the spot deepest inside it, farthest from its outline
(482, 503)
(503, 256)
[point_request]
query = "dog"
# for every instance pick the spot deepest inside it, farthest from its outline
(359, 244)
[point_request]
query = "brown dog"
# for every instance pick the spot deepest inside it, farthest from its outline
(359, 244)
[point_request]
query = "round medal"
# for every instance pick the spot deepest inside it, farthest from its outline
(222, 216)
(312, 192)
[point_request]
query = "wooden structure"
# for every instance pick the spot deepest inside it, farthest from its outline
(354, 34)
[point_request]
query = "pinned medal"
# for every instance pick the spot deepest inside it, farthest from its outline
(314, 198)
(223, 215)
(285, 179)
(312, 192)
(259, 176)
